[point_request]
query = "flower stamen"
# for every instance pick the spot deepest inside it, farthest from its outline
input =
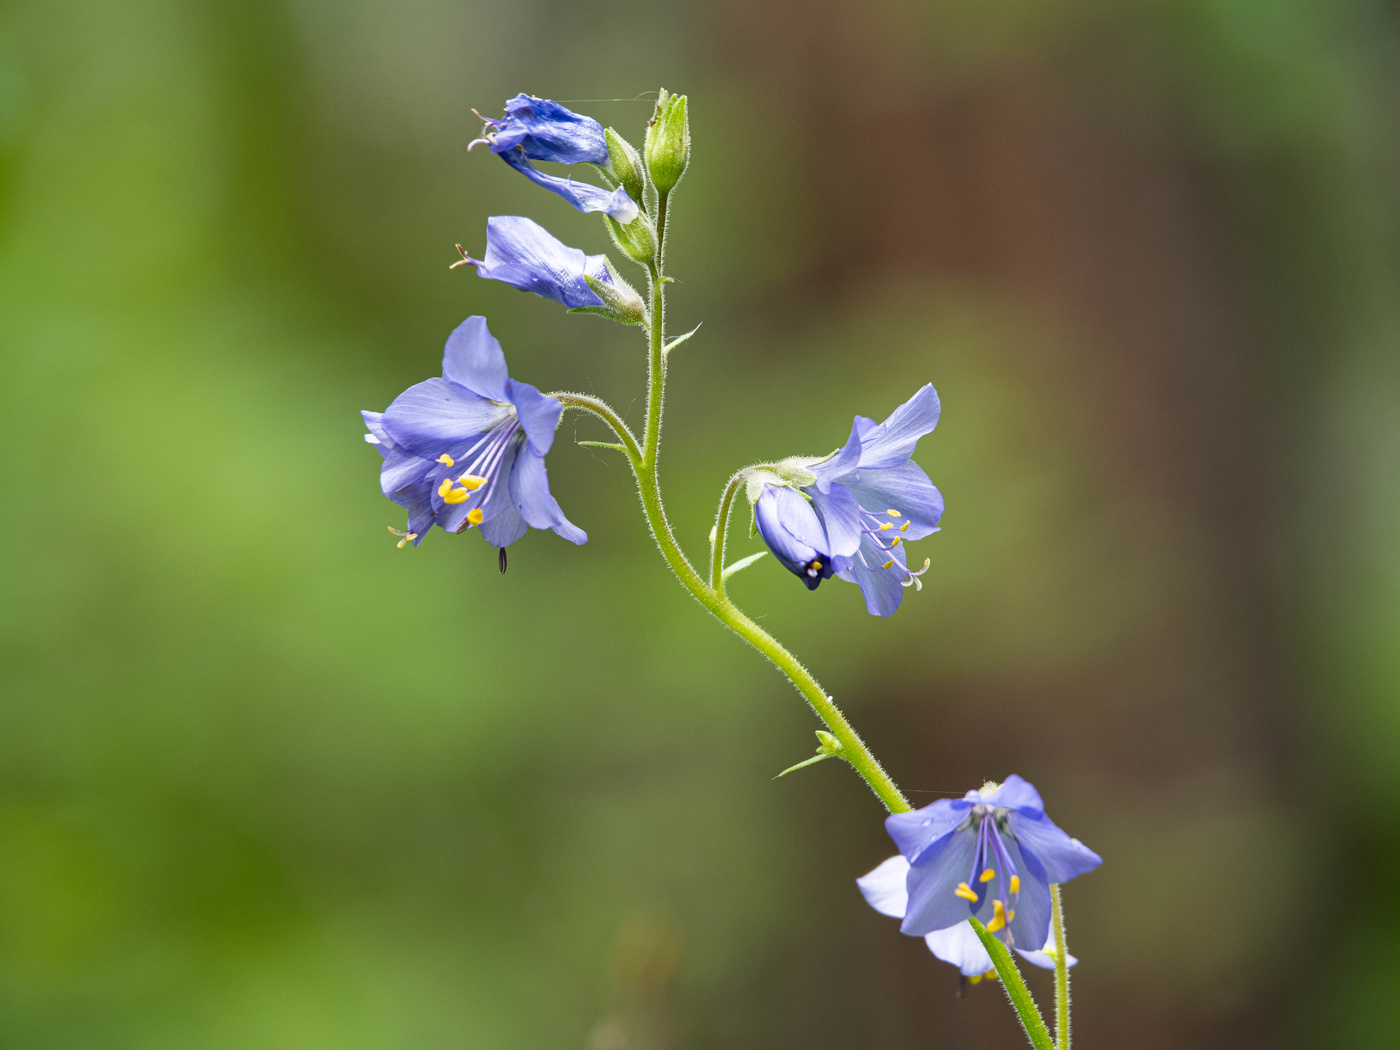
(894, 513)
(998, 917)
(407, 537)
(446, 460)
(966, 892)
(988, 875)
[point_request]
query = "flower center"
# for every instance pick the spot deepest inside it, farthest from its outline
(478, 479)
(992, 863)
(885, 531)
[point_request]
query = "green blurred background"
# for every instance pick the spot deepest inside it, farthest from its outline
(268, 782)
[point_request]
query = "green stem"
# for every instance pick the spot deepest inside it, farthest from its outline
(721, 528)
(1057, 923)
(1016, 989)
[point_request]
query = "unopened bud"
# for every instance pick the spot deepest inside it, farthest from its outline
(626, 164)
(637, 238)
(668, 142)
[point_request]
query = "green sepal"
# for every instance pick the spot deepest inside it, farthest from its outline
(637, 239)
(626, 164)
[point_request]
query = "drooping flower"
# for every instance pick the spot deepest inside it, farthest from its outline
(467, 450)
(540, 129)
(788, 524)
(885, 889)
(868, 499)
(523, 253)
(991, 854)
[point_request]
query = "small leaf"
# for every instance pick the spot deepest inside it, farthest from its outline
(680, 339)
(741, 564)
(803, 765)
(601, 444)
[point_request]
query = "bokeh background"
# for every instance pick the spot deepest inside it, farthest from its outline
(266, 781)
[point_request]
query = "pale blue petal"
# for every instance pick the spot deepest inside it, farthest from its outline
(840, 518)
(1016, 793)
(905, 488)
(915, 832)
(539, 415)
(504, 529)
(473, 359)
(960, 945)
(529, 490)
(581, 195)
(933, 880)
(432, 416)
(1061, 856)
(842, 461)
(884, 888)
(893, 441)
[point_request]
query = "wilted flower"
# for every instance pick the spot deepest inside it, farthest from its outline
(540, 129)
(860, 505)
(886, 891)
(523, 253)
(468, 449)
(991, 854)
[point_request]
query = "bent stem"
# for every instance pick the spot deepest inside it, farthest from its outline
(1057, 924)
(1016, 989)
(644, 459)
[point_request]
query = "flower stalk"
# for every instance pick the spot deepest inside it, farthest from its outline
(1057, 926)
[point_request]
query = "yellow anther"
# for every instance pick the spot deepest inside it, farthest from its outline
(445, 487)
(886, 526)
(905, 526)
(474, 516)
(988, 875)
(888, 565)
(998, 917)
(991, 974)
(893, 513)
(896, 542)
(965, 891)
(471, 481)
(447, 460)
(405, 537)
(1011, 915)
(454, 496)
(975, 979)
(1015, 884)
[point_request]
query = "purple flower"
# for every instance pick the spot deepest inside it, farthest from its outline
(991, 854)
(867, 500)
(885, 889)
(468, 449)
(788, 524)
(523, 253)
(540, 129)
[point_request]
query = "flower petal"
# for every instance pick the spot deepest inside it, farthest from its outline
(539, 415)
(1045, 962)
(790, 527)
(473, 359)
(917, 831)
(505, 528)
(840, 517)
(522, 253)
(893, 441)
(882, 589)
(434, 415)
(933, 879)
(842, 461)
(1032, 922)
(884, 888)
(1061, 856)
(905, 488)
(960, 945)
(545, 130)
(529, 491)
(581, 195)
(1018, 794)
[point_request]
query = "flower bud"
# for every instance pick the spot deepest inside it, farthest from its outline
(668, 142)
(637, 238)
(621, 301)
(626, 164)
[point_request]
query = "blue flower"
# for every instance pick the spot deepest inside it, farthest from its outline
(885, 889)
(867, 500)
(539, 129)
(788, 524)
(991, 854)
(524, 254)
(542, 129)
(468, 449)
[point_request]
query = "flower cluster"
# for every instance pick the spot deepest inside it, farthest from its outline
(991, 855)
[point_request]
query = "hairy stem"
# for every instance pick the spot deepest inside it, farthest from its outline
(1016, 989)
(1057, 924)
(721, 528)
